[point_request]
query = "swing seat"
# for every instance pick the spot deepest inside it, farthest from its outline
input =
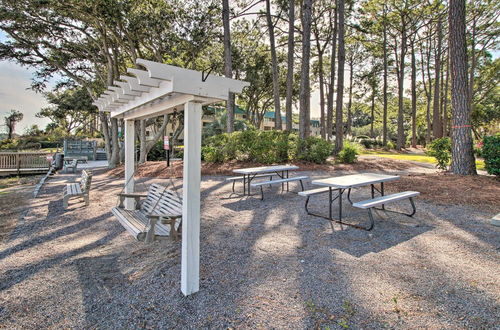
(156, 217)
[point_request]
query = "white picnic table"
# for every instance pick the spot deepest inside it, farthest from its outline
(249, 174)
(341, 183)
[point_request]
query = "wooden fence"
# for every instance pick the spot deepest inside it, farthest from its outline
(23, 162)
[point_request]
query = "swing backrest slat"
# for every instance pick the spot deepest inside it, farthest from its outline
(161, 200)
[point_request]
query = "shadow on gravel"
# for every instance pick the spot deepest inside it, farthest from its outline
(18, 275)
(52, 236)
(386, 234)
(101, 282)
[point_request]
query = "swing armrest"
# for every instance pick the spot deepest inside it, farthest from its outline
(133, 195)
(166, 217)
(136, 196)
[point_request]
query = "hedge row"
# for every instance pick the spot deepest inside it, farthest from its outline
(265, 147)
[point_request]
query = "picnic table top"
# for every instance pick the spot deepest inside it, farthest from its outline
(266, 169)
(354, 180)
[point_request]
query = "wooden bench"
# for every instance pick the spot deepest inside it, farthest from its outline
(148, 221)
(71, 165)
(79, 189)
(284, 180)
(237, 178)
(369, 204)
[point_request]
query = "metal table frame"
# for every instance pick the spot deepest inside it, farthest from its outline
(248, 177)
(340, 192)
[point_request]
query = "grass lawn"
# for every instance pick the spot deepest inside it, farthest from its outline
(411, 157)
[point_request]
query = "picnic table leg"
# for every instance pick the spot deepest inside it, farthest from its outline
(373, 191)
(244, 185)
(382, 193)
(330, 203)
(249, 180)
(282, 184)
(287, 183)
(340, 204)
(349, 196)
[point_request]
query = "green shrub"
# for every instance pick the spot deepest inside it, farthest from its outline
(349, 153)
(491, 154)
(441, 150)
(315, 149)
(157, 152)
(265, 147)
(212, 154)
(390, 145)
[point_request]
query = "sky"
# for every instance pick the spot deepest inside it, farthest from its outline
(15, 93)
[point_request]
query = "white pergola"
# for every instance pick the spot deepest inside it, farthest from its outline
(159, 90)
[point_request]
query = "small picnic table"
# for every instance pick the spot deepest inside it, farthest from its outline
(341, 183)
(249, 174)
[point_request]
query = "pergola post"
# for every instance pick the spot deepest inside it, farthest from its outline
(190, 272)
(129, 141)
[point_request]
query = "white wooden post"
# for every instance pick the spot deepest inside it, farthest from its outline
(129, 162)
(190, 274)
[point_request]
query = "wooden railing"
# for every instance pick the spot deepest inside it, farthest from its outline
(18, 161)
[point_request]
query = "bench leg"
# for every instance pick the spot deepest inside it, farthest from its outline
(414, 209)
(173, 232)
(301, 185)
(65, 201)
(372, 221)
(307, 203)
(234, 181)
(261, 193)
(122, 199)
(150, 236)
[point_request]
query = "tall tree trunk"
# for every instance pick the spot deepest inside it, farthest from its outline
(413, 97)
(274, 64)
(437, 127)
(103, 117)
(290, 62)
(472, 68)
(349, 105)
(463, 161)
(329, 110)
(339, 125)
(228, 63)
(114, 160)
(384, 47)
(321, 93)
(372, 113)
(445, 99)
(304, 115)
(401, 79)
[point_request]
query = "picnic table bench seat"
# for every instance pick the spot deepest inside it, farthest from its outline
(78, 189)
(284, 180)
(369, 204)
(157, 216)
(238, 178)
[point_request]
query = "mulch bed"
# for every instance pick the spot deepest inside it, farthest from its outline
(160, 170)
(442, 188)
(445, 188)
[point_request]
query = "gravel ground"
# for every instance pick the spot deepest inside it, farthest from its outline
(264, 264)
